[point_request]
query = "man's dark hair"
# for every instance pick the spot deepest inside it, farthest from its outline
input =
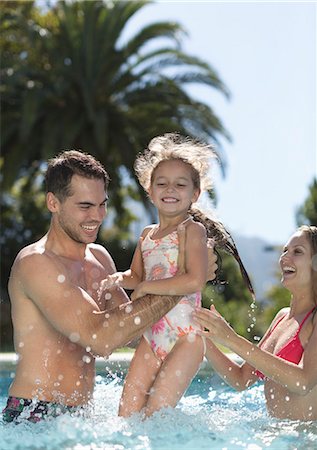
(62, 167)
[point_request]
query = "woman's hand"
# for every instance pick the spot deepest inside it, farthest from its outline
(217, 329)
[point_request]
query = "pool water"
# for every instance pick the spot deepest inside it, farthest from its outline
(210, 416)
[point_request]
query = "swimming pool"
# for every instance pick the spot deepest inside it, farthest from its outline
(210, 416)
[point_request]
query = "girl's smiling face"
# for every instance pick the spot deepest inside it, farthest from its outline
(172, 188)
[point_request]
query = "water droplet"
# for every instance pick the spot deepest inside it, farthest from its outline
(191, 337)
(146, 356)
(61, 278)
(94, 336)
(178, 373)
(21, 344)
(121, 323)
(88, 349)
(95, 285)
(74, 337)
(128, 309)
(86, 359)
(107, 315)
(95, 273)
(108, 296)
(60, 377)
(105, 324)
(287, 398)
(137, 320)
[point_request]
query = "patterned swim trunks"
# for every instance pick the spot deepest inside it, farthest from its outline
(18, 409)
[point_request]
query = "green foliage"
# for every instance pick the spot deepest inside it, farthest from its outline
(278, 298)
(307, 213)
(70, 81)
(23, 218)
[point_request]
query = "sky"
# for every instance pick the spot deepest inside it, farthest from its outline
(265, 53)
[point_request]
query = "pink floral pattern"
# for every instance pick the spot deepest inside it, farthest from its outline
(160, 261)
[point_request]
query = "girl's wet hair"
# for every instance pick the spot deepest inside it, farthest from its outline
(197, 155)
(223, 241)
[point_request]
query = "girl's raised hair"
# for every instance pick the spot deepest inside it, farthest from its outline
(172, 146)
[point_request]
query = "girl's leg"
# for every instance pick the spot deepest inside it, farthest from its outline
(142, 372)
(176, 373)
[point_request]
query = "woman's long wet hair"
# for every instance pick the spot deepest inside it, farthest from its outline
(311, 232)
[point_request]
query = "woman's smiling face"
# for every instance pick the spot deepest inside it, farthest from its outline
(295, 262)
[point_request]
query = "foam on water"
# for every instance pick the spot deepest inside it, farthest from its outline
(209, 416)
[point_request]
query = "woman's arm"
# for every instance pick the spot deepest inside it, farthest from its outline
(299, 379)
(239, 376)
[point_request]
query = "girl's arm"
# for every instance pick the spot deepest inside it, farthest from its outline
(196, 262)
(130, 278)
(299, 379)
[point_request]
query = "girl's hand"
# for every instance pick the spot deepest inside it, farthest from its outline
(217, 329)
(110, 282)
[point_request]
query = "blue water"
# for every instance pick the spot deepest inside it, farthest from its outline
(210, 416)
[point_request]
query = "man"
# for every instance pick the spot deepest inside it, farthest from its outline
(59, 321)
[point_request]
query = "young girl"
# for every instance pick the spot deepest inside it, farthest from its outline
(173, 171)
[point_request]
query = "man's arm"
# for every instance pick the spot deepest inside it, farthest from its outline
(72, 311)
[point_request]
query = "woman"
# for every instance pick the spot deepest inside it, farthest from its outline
(286, 358)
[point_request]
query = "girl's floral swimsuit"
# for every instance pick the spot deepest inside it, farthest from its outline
(160, 261)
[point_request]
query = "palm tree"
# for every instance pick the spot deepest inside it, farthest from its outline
(71, 80)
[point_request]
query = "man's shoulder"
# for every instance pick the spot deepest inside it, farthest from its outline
(31, 250)
(99, 251)
(103, 256)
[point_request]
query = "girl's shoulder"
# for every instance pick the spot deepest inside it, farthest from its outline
(147, 230)
(193, 227)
